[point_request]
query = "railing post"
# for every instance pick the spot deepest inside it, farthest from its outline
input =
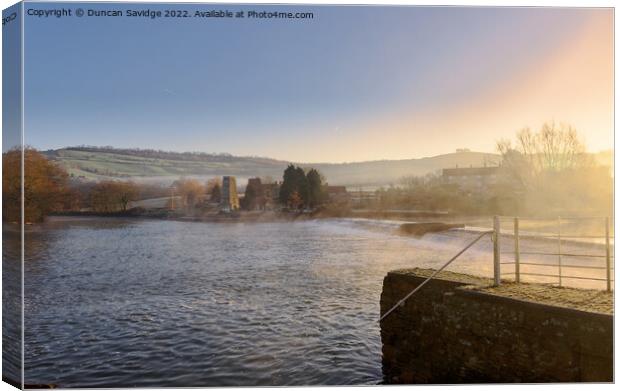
(607, 254)
(496, 251)
(517, 255)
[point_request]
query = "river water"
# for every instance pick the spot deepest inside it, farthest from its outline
(121, 303)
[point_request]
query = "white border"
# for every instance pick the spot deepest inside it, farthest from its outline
(480, 3)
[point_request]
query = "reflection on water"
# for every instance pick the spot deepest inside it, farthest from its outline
(112, 302)
(11, 303)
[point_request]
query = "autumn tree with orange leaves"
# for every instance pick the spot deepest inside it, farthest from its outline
(190, 190)
(295, 201)
(45, 185)
(113, 196)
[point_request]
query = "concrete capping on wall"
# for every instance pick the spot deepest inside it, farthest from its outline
(450, 333)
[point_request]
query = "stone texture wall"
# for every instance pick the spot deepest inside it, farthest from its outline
(447, 333)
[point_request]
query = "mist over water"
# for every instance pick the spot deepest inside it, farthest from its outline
(113, 302)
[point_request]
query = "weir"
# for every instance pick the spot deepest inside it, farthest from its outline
(459, 329)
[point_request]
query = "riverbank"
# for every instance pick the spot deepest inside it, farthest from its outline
(258, 216)
(266, 216)
(417, 229)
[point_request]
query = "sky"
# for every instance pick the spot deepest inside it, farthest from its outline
(351, 84)
(11, 80)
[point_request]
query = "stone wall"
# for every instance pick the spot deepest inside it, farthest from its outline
(449, 333)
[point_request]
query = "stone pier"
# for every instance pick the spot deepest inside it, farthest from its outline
(458, 330)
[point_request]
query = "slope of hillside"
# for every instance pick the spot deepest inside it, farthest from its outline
(385, 172)
(93, 163)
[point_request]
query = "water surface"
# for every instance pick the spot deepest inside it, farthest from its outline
(119, 303)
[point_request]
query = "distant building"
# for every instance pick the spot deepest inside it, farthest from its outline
(472, 178)
(338, 194)
(265, 196)
(271, 194)
(229, 200)
(254, 198)
(254, 182)
(363, 197)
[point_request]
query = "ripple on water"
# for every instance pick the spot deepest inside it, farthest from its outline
(115, 303)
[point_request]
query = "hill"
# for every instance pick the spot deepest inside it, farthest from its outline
(104, 163)
(107, 162)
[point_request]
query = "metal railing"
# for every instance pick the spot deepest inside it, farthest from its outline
(401, 302)
(560, 266)
(497, 263)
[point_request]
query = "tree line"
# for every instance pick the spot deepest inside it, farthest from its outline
(302, 189)
(48, 188)
(543, 172)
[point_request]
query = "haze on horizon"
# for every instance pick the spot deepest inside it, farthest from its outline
(352, 84)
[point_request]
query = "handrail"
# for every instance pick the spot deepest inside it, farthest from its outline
(402, 301)
(555, 218)
(564, 254)
(560, 238)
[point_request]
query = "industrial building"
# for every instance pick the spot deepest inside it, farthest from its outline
(230, 200)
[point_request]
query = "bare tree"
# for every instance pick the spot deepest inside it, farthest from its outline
(552, 149)
(214, 189)
(190, 191)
